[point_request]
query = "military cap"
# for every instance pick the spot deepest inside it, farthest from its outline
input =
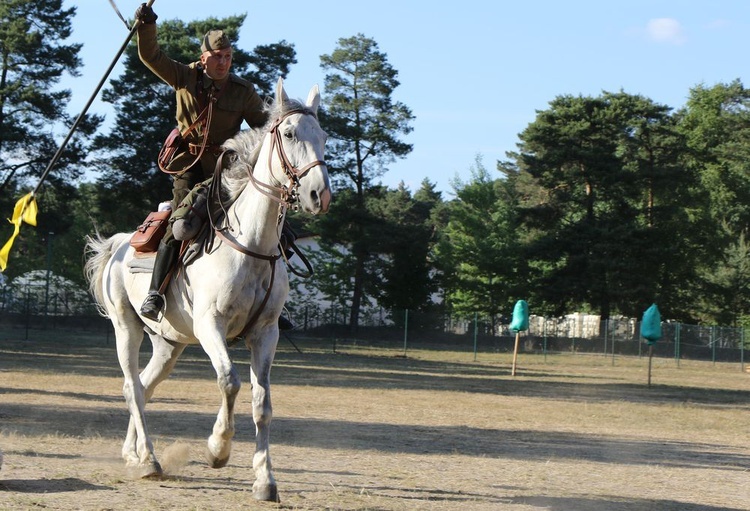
(215, 40)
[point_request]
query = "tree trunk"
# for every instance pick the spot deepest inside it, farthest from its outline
(359, 273)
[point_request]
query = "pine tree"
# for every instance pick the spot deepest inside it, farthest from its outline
(363, 123)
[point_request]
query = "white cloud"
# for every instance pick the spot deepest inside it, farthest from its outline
(666, 30)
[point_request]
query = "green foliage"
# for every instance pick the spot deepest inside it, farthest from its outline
(403, 239)
(478, 251)
(716, 124)
(360, 116)
(615, 215)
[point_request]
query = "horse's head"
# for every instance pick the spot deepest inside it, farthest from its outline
(298, 151)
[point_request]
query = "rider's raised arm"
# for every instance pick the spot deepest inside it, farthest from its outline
(172, 72)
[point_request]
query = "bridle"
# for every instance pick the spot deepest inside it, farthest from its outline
(286, 196)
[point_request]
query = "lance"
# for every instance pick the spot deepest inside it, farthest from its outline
(26, 208)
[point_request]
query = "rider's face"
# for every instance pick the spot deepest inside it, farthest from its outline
(217, 63)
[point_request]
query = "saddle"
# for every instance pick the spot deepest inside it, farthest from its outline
(191, 226)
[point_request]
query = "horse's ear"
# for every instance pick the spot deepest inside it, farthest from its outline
(281, 96)
(313, 99)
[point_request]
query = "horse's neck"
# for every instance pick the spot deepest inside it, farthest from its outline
(258, 218)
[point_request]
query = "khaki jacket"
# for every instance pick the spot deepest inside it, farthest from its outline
(238, 102)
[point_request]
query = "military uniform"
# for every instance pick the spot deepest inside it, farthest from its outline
(237, 102)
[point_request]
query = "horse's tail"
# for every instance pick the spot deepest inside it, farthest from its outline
(98, 252)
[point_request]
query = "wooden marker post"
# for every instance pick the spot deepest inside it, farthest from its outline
(515, 354)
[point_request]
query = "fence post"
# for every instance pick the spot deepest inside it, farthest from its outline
(713, 344)
(742, 349)
(605, 337)
(475, 336)
(28, 311)
(640, 343)
(49, 273)
(677, 343)
(544, 333)
(567, 324)
(406, 328)
(614, 337)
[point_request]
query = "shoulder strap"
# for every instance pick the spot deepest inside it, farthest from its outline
(203, 118)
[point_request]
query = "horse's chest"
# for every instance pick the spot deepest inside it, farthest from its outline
(241, 295)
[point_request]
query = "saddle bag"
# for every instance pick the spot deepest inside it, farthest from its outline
(147, 236)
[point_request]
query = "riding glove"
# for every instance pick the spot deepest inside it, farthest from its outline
(146, 14)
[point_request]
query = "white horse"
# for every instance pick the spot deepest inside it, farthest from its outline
(239, 288)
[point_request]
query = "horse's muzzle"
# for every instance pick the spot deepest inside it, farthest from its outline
(321, 201)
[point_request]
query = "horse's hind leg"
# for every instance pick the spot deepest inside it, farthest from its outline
(163, 359)
(129, 336)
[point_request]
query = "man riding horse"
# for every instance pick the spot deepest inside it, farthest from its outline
(197, 85)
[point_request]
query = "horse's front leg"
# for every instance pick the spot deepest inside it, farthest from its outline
(220, 441)
(262, 354)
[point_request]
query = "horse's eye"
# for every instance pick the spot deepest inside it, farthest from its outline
(288, 135)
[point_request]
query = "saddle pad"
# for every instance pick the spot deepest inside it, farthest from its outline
(142, 262)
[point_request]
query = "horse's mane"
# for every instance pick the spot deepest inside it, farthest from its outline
(245, 146)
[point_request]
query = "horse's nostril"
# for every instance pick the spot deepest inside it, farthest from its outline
(314, 197)
(325, 200)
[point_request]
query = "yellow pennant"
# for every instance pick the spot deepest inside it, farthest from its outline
(24, 211)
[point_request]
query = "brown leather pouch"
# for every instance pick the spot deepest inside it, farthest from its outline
(147, 236)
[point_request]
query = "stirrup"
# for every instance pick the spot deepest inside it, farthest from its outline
(152, 306)
(285, 323)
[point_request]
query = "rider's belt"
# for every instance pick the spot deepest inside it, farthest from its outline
(210, 148)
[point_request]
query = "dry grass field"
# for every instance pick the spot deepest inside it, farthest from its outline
(371, 430)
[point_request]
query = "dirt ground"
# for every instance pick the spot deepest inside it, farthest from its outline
(367, 430)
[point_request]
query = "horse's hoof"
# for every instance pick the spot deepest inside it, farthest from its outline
(215, 462)
(267, 493)
(148, 471)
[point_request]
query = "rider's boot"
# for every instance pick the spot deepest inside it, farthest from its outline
(154, 302)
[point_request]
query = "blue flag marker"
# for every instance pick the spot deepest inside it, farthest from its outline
(520, 321)
(651, 325)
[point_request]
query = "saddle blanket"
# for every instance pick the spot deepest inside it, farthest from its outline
(142, 263)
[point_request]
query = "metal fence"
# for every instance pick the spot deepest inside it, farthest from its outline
(575, 333)
(34, 310)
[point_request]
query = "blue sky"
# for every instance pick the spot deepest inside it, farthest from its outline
(474, 72)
